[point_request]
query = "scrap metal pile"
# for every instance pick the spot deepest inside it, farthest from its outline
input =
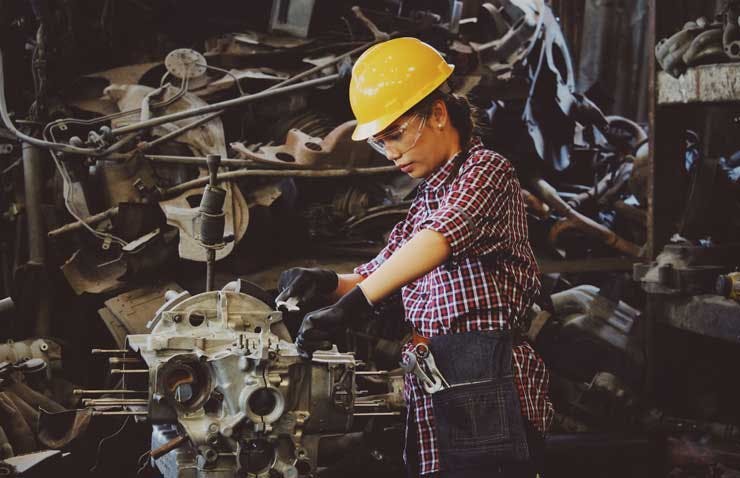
(104, 159)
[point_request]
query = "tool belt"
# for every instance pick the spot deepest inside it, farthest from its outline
(476, 404)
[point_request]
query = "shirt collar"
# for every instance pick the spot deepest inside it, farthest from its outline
(449, 169)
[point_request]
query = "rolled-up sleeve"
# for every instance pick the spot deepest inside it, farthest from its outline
(474, 215)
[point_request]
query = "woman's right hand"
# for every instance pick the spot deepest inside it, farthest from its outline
(299, 286)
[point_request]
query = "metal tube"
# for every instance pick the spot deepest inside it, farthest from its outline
(180, 131)
(124, 371)
(378, 414)
(94, 219)
(326, 173)
(210, 269)
(100, 402)
(168, 447)
(32, 181)
(109, 351)
(79, 391)
(102, 414)
(222, 105)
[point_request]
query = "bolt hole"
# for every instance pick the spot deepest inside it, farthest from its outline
(196, 319)
(288, 158)
(258, 330)
(313, 146)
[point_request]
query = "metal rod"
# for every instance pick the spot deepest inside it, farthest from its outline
(378, 414)
(32, 181)
(79, 391)
(373, 372)
(117, 360)
(94, 219)
(167, 447)
(119, 371)
(126, 412)
(325, 173)
(106, 402)
(222, 105)
(180, 131)
(210, 269)
(109, 351)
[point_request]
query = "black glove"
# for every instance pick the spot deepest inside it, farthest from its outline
(306, 285)
(319, 327)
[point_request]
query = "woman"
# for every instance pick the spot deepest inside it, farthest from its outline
(464, 266)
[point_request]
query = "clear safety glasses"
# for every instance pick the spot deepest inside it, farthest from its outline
(398, 139)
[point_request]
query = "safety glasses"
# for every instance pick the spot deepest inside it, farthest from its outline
(398, 139)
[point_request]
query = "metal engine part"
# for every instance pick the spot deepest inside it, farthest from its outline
(224, 373)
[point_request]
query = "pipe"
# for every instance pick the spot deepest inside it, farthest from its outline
(222, 105)
(6, 449)
(34, 398)
(324, 173)
(32, 171)
(19, 433)
(575, 220)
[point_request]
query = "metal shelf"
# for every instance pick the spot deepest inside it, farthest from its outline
(701, 84)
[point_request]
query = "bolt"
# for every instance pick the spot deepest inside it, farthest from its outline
(177, 318)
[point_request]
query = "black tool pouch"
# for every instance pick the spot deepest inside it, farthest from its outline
(479, 419)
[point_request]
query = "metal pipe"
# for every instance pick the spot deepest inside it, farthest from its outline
(79, 391)
(232, 175)
(222, 105)
(180, 131)
(125, 371)
(32, 182)
(168, 447)
(109, 351)
(128, 413)
(94, 219)
(102, 402)
(117, 360)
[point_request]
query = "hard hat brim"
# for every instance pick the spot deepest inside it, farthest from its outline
(364, 130)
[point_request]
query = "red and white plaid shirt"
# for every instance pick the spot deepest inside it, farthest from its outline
(489, 282)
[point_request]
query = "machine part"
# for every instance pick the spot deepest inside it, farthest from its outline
(705, 48)
(292, 16)
(182, 213)
(731, 30)
(46, 349)
(335, 150)
(602, 330)
(515, 24)
(211, 216)
(129, 313)
(225, 374)
(574, 220)
(17, 429)
(6, 449)
(669, 51)
(729, 286)
(32, 174)
(185, 63)
(682, 269)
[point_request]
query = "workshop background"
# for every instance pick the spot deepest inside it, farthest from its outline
(162, 161)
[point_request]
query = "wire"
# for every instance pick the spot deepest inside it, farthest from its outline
(100, 445)
(143, 461)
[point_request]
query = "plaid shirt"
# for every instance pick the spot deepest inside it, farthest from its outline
(488, 283)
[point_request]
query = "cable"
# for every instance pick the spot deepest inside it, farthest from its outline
(100, 445)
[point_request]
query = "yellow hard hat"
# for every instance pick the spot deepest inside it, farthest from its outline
(391, 77)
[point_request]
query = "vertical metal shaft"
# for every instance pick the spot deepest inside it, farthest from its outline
(210, 269)
(32, 181)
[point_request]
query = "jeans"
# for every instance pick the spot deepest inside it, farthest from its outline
(479, 425)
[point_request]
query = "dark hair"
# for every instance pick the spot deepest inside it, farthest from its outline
(459, 109)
